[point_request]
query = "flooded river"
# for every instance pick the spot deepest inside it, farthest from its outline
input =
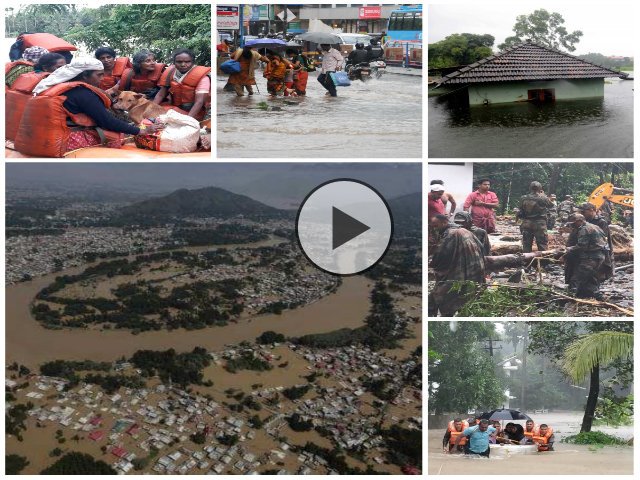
(594, 128)
(29, 343)
(382, 118)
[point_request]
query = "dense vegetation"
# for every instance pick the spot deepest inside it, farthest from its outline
(75, 463)
(126, 28)
(296, 392)
(14, 419)
(247, 361)
(29, 232)
(14, 464)
(594, 438)
(405, 445)
(180, 368)
(459, 49)
(110, 383)
(269, 337)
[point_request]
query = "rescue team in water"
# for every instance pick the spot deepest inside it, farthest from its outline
(68, 102)
(462, 248)
(475, 436)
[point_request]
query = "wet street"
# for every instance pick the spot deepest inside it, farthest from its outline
(382, 118)
(592, 128)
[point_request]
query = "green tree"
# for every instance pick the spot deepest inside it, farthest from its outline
(460, 49)
(159, 28)
(543, 28)
(463, 375)
(587, 354)
(75, 463)
(14, 464)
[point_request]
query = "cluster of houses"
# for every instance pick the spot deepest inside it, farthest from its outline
(33, 256)
(152, 428)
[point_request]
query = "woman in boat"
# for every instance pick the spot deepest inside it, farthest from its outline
(86, 105)
(143, 75)
(189, 85)
(114, 67)
(24, 64)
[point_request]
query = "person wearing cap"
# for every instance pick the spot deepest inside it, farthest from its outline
(533, 210)
(586, 253)
(552, 215)
(591, 216)
(482, 204)
(446, 198)
(435, 206)
(566, 208)
(463, 219)
(458, 265)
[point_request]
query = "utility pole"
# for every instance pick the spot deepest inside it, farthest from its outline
(523, 390)
(284, 27)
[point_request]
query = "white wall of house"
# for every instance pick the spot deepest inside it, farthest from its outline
(508, 92)
(457, 177)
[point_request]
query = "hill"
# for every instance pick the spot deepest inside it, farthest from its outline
(203, 202)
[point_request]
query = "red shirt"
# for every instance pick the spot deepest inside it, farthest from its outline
(482, 217)
(435, 207)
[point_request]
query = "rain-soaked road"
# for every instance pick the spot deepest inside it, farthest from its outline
(382, 118)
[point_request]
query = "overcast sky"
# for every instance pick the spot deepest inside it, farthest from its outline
(607, 27)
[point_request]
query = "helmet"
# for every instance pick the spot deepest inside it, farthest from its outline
(359, 46)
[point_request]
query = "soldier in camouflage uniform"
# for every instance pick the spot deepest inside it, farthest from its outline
(459, 268)
(566, 208)
(464, 220)
(586, 254)
(552, 215)
(591, 216)
(533, 210)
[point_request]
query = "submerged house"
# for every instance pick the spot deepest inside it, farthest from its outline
(529, 72)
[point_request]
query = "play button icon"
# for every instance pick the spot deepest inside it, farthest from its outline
(344, 226)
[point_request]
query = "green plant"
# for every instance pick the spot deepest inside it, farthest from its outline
(594, 438)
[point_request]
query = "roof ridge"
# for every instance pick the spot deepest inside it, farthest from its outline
(467, 69)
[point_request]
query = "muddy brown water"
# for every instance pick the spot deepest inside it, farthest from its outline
(31, 344)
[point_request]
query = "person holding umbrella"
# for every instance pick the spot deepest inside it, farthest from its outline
(479, 437)
(331, 63)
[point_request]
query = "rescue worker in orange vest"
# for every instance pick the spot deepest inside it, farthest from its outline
(454, 429)
(113, 67)
(544, 438)
(189, 85)
(530, 429)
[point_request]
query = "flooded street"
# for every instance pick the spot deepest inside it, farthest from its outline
(567, 459)
(595, 128)
(382, 118)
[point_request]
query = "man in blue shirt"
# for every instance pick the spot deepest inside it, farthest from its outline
(478, 435)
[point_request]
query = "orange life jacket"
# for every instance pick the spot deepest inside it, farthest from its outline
(44, 129)
(9, 66)
(533, 431)
(455, 433)
(183, 94)
(109, 81)
(16, 99)
(48, 41)
(129, 82)
(542, 441)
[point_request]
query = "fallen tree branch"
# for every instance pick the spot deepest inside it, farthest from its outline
(597, 303)
(624, 267)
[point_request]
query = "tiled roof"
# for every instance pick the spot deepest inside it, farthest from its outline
(528, 61)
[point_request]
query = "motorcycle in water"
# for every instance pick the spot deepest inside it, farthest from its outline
(378, 67)
(361, 71)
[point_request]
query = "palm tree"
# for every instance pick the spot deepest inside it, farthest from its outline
(586, 355)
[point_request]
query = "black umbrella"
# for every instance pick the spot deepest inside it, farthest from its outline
(505, 414)
(320, 37)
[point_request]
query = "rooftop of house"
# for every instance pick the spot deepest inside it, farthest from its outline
(528, 62)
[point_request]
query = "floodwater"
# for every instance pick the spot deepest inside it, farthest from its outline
(379, 119)
(593, 128)
(567, 459)
(31, 344)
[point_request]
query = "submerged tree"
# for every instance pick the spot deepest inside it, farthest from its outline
(543, 28)
(586, 355)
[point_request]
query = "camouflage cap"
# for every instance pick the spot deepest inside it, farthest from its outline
(462, 217)
(574, 217)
